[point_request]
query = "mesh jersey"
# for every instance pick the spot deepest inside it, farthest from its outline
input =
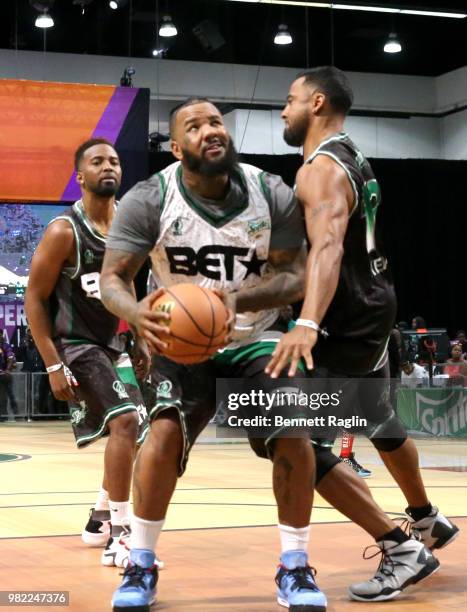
(361, 314)
(226, 253)
(79, 317)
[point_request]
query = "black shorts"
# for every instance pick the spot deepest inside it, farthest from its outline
(191, 391)
(107, 388)
(366, 396)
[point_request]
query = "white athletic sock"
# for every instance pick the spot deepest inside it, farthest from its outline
(119, 512)
(102, 502)
(144, 534)
(294, 539)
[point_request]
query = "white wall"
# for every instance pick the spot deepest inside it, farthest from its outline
(261, 132)
(454, 136)
(227, 82)
(171, 81)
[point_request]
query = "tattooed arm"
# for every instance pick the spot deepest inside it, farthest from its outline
(118, 271)
(285, 287)
(325, 192)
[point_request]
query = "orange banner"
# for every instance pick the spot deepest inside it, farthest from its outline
(41, 125)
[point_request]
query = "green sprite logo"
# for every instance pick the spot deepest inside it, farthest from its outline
(442, 414)
(88, 256)
(258, 225)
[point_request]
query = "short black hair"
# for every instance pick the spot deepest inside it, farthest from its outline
(87, 145)
(189, 102)
(334, 84)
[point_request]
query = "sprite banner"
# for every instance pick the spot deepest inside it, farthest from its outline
(437, 412)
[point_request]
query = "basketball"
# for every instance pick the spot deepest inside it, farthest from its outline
(197, 322)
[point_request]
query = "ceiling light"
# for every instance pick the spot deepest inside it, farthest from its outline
(392, 45)
(167, 28)
(117, 4)
(433, 13)
(360, 7)
(283, 36)
(44, 21)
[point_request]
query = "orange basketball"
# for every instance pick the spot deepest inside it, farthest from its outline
(197, 322)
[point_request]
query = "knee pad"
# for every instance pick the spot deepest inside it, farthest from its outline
(325, 460)
(389, 435)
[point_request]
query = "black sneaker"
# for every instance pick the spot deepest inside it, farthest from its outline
(97, 530)
(361, 471)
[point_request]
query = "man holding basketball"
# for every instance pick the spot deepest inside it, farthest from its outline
(211, 221)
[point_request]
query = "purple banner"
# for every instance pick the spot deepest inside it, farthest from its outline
(12, 319)
(109, 126)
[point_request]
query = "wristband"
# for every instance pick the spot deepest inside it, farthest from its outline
(312, 325)
(54, 368)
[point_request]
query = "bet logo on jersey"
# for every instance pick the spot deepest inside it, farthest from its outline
(211, 259)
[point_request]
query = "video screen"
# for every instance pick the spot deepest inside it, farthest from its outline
(21, 228)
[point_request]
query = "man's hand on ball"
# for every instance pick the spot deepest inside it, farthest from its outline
(230, 302)
(152, 325)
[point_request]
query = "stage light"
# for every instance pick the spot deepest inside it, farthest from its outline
(283, 36)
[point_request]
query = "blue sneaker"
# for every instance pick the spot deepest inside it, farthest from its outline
(138, 589)
(361, 471)
(297, 589)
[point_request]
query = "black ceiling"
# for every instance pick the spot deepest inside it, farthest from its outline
(349, 39)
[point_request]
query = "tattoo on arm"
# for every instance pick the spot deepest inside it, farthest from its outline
(118, 271)
(320, 208)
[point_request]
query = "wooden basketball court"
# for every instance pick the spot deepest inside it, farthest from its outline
(220, 543)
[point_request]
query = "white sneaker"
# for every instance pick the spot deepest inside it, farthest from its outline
(117, 551)
(97, 530)
(435, 530)
(401, 565)
(118, 548)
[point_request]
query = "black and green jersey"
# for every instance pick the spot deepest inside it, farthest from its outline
(363, 309)
(78, 315)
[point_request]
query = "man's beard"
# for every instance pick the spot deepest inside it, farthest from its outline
(211, 168)
(105, 190)
(295, 136)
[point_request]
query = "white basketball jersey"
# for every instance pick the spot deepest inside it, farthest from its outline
(229, 253)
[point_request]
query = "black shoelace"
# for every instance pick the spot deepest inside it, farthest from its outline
(303, 578)
(385, 560)
(135, 575)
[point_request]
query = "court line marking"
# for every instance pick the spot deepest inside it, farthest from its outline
(74, 535)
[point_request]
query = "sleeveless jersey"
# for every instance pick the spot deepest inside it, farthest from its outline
(79, 317)
(362, 312)
(228, 253)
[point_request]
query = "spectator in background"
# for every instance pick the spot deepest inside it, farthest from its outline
(413, 375)
(456, 366)
(462, 340)
(7, 361)
(419, 325)
(32, 362)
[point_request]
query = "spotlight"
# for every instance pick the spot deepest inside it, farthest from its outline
(44, 21)
(167, 29)
(392, 45)
(159, 52)
(117, 4)
(126, 80)
(283, 36)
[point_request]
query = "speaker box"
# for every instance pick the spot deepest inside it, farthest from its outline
(208, 35)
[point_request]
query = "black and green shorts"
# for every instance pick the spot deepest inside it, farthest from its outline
(191, 389)
(107, 388)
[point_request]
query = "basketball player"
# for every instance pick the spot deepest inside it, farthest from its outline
(76, 337)
(164, 235)
(208, 220)
(349, 292)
